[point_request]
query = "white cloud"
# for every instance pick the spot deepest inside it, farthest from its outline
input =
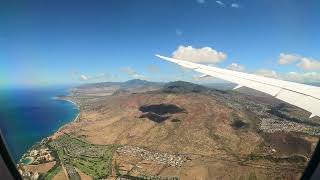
(98, 76)
(308, 77)
(131, 72)
(267, 73)
(235, 5)
(309, 64)
(201, 55)
(201, 1)
(220, 3)
(303, 77)
(138, 76)
(288, 58)
(236, 67)
(83, 77)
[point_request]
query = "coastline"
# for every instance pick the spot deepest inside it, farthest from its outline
(74, 120)
(63, 98)
(45, 139)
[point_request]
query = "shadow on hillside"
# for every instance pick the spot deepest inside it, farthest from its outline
(159, 112)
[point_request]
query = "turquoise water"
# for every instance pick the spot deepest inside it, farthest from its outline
(28, 115)
(27, 161)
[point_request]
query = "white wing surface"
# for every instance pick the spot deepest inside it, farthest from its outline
(304, 96)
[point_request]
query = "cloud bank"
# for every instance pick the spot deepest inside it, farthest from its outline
(304, 63)
(309, 64)
(267, 73)
(308, 77)
(98, 76)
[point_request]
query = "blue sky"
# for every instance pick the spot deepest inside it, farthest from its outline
(47, 42)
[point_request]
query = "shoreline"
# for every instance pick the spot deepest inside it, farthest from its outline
(45, 139)
(65, 99)
(74, 120)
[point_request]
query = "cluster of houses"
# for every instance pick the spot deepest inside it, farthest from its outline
(27, 174)
(37, 157)
(160, 158)
(41, 155)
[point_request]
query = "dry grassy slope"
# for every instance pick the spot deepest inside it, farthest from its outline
(204, 132)
(204, 129)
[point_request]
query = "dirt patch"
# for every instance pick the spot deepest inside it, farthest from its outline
(83, 175)
(288, 143)
(60, 176)
(41, 168)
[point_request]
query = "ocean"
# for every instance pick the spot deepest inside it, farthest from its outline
(28, 115)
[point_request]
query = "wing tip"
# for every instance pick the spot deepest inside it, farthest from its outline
(161, 57)
(237, 87)
(166, 58)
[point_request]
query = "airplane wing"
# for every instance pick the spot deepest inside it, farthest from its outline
(304, 96)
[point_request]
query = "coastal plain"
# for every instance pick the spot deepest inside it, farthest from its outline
(179, 130)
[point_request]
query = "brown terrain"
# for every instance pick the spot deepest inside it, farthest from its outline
(43, 168)
(192, 132)
(216, 140)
